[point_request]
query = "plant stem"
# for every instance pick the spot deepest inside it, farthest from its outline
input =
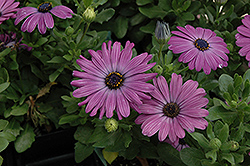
(160, 52)
(143, 161)
(84, 33)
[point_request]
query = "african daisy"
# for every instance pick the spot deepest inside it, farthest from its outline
(200, 47)
(41, 16)
(170, 111)
(111, 81)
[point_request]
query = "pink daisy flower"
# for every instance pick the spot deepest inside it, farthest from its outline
(200, 48)
(243, 38)
(111, 81)
(170, 111)
(179, 144)
(7, 9)
(41, 16)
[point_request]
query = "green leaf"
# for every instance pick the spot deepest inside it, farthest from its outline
(3, 124)
(224, 133)
(13, 127)
(229, 157)
(4, 86)
(137, 19)
(192, 156)
(25, 139)
(105, 15)
(20, 110)
(1, 160)
(201, 139)
(109, 156)
(209, 14)
(246, 75)
(169, 154)
(82, 151)
(83, 133)
(210, 85)
(186, 5)
(3, 143)
(143, 2)
(87, 3)
(99, 133)
(153, 12)
(121, 26)
(10, 137)
(209, 130)
(238, 134)
(224, 82)
(149, 28)
(218, 112)
(53, 76)
(41, 41)
(187, 16)
(57, 59)
(109, 140)
(68, 119)
(5, 52)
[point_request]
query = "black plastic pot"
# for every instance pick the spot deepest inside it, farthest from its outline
(53, 149)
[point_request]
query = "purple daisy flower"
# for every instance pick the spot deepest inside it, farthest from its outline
(41, 16)
(170, 111)
(243, 38)
(179, 144)
(7, 9)
(200, 47)
(9, 40)
(111, 81)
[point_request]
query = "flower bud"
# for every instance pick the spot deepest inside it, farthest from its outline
(89, 15)
(162, 32)
(157, 69)
(215, 143)
(230, 47)
(234, 145)
(69, 31)
(111, 125)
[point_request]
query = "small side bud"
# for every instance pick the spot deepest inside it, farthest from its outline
(89, 15)
(69, 31)
(234, 145)
(111, 125)
(162, 32)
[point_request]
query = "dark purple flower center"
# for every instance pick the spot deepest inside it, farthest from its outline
(114, 80)
(45, 7)
(171, 110)
(182, 142)
(201, 44)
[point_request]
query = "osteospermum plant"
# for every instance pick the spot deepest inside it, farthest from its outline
(162, 82)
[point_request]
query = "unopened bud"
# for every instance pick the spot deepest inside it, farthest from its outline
(234, 145)
(111, 125)
(162, 32)
(69, 31)
(215, 143)
(89, 15)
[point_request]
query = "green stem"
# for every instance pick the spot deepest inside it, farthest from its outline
(160, 52)
(84, 33)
